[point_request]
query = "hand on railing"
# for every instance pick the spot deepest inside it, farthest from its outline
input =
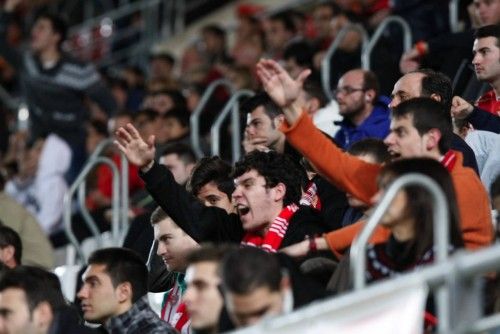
(284, 90)
(138, 152)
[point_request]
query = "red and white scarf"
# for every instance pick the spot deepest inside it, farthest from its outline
(449, 160)
(310, 196)
(271, 242)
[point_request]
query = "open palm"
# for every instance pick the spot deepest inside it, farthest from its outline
(137, 151)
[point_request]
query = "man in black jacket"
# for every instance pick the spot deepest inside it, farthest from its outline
(266, 197)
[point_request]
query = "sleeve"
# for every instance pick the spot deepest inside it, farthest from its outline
(343, 170)
(483, 120)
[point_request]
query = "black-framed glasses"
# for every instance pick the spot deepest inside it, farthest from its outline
(347, 90)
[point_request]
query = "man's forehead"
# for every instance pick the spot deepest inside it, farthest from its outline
(482, 42)
(251, 174)
(201, 271)
(97, 270)
(402, 121)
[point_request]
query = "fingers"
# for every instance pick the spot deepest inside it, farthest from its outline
(133, 131)
(303, 75)
(119, 145)
(151, 141)
(123, 134)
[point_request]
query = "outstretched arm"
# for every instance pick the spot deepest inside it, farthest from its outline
(284, 90)
(138, 152)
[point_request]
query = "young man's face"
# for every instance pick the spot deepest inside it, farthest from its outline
(486, 59)
(261, 127)
(173, 244)
(202, 297)
(407, 87)
(100, 300)
(43, 36)
(488, 11)
(15, 316)
(403, 140)
(350, 94)
(255, 202)
(180, 170)
(248, 309)
(210, 195)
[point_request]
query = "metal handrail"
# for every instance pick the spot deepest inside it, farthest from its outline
(69, 195)
(441, 233)
(194, 119)
(8, 100)
(123, 213)
(453, 7)
(407, 38)
(233, 108)
(325, 64)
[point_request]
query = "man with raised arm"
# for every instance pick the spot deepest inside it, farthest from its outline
(419, 128)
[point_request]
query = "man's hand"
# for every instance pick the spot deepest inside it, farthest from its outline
(410, 61)
(137, 151)
(297, 250)
(460, 108)
(10, 5)
(254, 144)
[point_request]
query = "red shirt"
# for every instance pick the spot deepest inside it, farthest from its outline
(489, 103)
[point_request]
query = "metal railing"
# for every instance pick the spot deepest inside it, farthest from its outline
(194, 119)
(453, 8)
(119, 201)
(440, 227)
(325, 64)
(232, 106)
(407, 38)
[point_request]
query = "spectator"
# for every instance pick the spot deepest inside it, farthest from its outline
(427, 83)
(55, 84)
(365, 112)
(211, 183)
(173, 247)
(175, 129)
(11, 248)
(267, 188)
(37, 250)
(203, 297)
(280, 31)
(114, 293)
(180, 161)
(31, 301)
(419, 128)
(161, 66)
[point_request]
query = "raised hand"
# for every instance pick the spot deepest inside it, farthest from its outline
(138, 152)
(278, 84)
(460, 108)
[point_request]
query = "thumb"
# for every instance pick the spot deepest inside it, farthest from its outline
(303, 76)
(151, 141)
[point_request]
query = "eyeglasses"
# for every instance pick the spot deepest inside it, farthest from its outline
(347, 90)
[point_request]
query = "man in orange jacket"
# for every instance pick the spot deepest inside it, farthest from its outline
(415, 132)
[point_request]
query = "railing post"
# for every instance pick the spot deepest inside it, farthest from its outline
(453, 13)
(215, 130)
(407, 38)
(194, 119)
(325, 64)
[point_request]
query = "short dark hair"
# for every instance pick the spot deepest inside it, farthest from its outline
(261, 99)
(436, 83)
(214, 29)
(275, 168)
(183, 151)
(427, 114)
(286, 19)
(123, 265)
(313, 88)
(38, 285)
(492, 30)
(165, 56)
(212, 169)
(372, 146)
(158, 215)
(210, 253)
(149, 113)
(248, 268)
(301, 51)
(58, 24)
(9, 237)
(176, 95)
(181, 114)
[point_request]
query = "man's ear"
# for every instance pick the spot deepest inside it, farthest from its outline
(433, 138)
(42, 317)
(370, 96)
(436, 97)
(124, 292)
(279, 192)
(278, 120)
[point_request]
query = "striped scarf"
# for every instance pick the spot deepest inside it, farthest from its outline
(271, 242)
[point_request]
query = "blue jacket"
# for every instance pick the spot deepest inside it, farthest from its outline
(375, 126)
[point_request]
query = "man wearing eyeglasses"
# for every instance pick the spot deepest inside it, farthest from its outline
(365, 113)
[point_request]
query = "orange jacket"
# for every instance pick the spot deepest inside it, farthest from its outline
(359, 178)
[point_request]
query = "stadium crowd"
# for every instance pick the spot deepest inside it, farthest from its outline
(230, 245)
